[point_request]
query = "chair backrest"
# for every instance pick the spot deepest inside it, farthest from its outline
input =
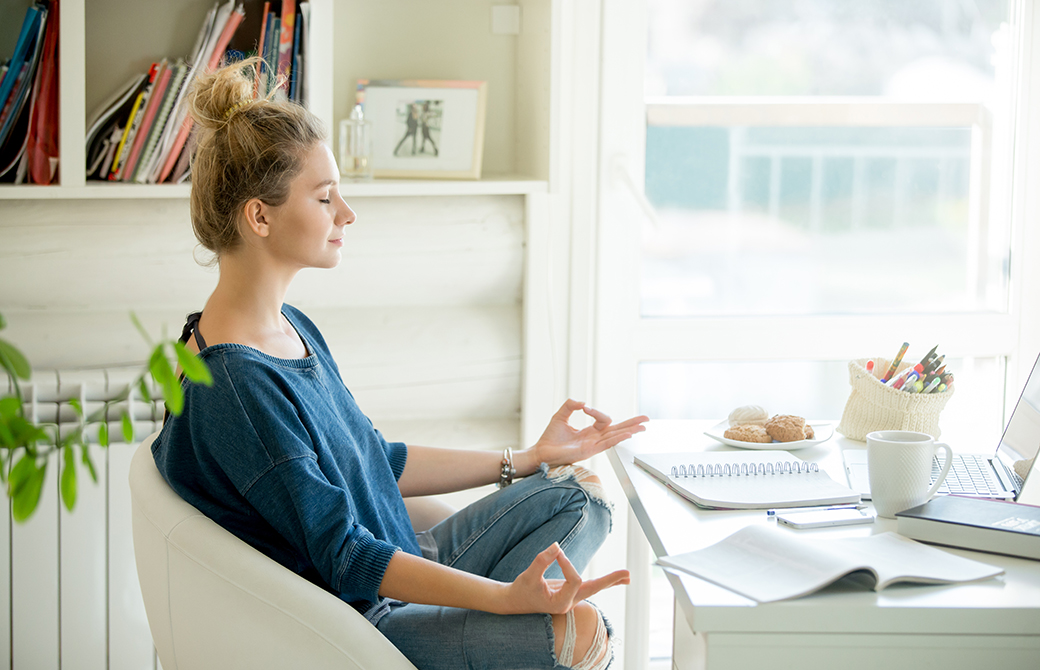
(215, 602)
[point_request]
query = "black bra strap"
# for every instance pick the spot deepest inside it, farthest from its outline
(192, 326)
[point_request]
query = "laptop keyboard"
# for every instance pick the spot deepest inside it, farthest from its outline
(969, 474)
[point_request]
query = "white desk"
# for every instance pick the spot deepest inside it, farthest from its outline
(991, 624)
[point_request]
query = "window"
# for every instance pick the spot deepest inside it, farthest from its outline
(807, 182)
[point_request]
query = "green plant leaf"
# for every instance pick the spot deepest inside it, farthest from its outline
(140, 328)
(128, 429)
(27, 497)
(10, 406)
(75, 404)
(68, 480)
(142, 388)
(162, 372)
(13, 361)
(193, 367)
(87, 461)
(20, 473)
(102, 434)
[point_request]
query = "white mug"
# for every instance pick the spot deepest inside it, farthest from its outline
(900, 466)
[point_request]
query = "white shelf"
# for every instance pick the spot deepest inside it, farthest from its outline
(490, 185)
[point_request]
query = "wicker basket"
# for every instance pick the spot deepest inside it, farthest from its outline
(874, 406)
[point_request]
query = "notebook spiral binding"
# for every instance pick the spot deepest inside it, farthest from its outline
(745, 469)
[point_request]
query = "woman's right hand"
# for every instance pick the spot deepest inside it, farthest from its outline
(531, 592)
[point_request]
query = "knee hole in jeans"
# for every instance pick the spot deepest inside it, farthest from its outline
(585, 478)
(582, 638)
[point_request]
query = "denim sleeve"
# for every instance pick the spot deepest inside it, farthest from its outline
(318, 519)
(259, 438)
(396, 453)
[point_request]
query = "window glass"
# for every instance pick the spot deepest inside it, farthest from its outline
(893, 201)
(936, 48)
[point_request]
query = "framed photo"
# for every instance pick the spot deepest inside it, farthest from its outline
(425, 128)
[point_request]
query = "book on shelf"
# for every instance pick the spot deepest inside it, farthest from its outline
(228, 18)
(147, 170)
(768, 564)
(105, 126)
(16, 67)
(287, 32)
(20, 82)
(160, 82)
(994, 526)
(746, 479)
(41, 151)
(133, 123)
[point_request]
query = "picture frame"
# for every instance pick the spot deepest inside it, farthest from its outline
(425, 129)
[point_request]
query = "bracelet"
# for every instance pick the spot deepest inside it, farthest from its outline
(505, 477)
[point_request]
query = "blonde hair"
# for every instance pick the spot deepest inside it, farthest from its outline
(245, 148)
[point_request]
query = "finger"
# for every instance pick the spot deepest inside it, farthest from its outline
(569, 590)
(634, 421)
(545, 558)
(594, 586)
(570, 406)
(601, 419)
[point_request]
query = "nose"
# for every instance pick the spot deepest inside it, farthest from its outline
(344, 214)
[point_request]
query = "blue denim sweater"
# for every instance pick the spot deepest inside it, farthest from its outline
(278, 453)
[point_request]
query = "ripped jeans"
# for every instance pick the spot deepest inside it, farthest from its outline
(498, 537)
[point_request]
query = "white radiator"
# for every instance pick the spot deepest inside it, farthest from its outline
(69, 578)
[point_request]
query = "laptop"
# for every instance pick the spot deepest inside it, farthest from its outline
(999, 475)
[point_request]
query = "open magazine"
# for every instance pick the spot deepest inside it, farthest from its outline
(766, 564)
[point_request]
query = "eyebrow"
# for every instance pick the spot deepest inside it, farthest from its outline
(327, 182)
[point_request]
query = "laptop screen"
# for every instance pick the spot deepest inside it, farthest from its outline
(1021, 439)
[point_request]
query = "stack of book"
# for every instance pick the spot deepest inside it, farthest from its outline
(141, 133)
(29, 100)
(994, 526)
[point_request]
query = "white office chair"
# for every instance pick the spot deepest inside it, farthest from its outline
(215, 602)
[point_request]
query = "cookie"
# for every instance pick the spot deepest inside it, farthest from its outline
(748, 433)
(809, 434)
(786, 428)
(748, 414)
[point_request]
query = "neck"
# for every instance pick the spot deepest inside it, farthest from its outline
(251, 290)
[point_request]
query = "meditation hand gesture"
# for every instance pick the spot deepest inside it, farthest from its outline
(532, 592)
(562, 444)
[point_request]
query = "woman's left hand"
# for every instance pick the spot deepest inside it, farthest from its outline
(562, 444)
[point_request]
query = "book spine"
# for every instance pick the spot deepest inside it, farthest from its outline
(260, 50)
(285, 43)
(43, 128)
(132, 122)
(152, 152)
(162, 80)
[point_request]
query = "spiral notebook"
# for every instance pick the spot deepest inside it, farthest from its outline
(746, 479)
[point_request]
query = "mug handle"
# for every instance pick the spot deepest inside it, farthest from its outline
(945, 470)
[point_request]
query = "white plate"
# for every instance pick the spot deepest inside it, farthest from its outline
(823, 433)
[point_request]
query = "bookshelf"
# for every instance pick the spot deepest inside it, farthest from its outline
(104, 42)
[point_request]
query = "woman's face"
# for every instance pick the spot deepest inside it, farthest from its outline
(307, 230)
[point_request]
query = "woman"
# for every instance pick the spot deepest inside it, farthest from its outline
(278, 452)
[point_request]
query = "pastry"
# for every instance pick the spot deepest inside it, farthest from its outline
(786, 428)
(750, 432)
(809, 433)
(748, 414)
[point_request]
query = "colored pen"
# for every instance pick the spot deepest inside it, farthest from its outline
(870, 367)
(774, 512)
(932, 385)
(934, 364)
(928, 356)
(896, 362)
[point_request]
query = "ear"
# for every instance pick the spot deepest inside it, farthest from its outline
(255, 213)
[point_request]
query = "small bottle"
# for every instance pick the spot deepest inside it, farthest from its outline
(355, 146)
